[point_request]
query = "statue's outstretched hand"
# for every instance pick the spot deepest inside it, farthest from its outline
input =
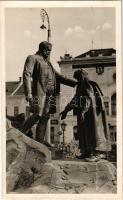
(63, 114)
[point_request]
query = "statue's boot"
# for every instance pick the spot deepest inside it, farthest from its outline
(41, 130)
(29, 123)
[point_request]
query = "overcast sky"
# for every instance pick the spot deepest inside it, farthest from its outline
(72, 30)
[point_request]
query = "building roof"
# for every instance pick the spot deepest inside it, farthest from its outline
(14, 87)
(93, 57)
(20, 90)
(98, 52)
(11, 86)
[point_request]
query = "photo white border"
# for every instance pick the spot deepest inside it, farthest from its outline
(41, 4)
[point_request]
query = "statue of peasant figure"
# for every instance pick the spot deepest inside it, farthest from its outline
(92, 126)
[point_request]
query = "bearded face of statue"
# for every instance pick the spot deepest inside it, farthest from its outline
(45, 49)
(46, 53)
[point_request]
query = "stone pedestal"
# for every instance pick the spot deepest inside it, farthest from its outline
(24, 157)
(71, 177)
(30, 170)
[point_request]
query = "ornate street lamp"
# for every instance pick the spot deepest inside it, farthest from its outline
(44, 16)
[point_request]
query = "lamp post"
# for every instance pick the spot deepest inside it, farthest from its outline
(44, 16)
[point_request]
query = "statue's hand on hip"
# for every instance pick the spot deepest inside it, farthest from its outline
(29, 98)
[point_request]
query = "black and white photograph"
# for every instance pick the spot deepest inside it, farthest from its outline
(62, 79)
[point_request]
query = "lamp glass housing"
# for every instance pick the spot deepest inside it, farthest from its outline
(63, 126)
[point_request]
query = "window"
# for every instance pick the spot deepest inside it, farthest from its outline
(52, 134)
(16, 110)
(114, 77)
(113, 133)
(113, 104)
(27, 111)
(107, 107)
(75, 133)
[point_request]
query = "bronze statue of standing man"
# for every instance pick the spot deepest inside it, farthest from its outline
(40, 80)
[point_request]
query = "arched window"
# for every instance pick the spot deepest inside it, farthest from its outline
(113, 104)
(106, 103)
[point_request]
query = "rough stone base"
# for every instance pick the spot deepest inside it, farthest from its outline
(24, 158)
(72, 177)
(30, 170)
